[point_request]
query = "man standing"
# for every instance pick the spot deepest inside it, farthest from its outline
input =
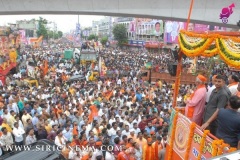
(195, 104)
(148, 150)
(229, 123)
(18, 134)
(233, 84)
(218, 99)
(6, 140)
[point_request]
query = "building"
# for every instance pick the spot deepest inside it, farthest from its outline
(30, 27)
(129, 23)
(103, 27)
(95, 27)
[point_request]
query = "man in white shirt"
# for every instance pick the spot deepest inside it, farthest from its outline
(113, 131)
(60, 141)
(6, 139)
(233, 84)
(126, 131)
(18, 133)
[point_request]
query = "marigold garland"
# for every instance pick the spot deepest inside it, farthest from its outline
(232, 150)
(190, 137)
(237, 55)
(193, 52)
(193, 44)
(204, 47)
(174, 125)
(202, 143)
(220, 147)
(214, 145)
(227, 57)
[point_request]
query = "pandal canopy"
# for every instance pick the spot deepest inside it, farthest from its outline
(210, 44)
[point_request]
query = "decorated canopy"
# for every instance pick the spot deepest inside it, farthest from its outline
(207, 44)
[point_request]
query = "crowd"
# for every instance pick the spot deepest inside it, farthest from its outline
(122, 113)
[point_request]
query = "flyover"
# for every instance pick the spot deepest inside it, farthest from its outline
(204, 11)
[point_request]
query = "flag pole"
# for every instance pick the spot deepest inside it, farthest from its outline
(179, 67)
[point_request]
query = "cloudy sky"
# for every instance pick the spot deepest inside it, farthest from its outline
(64, 22)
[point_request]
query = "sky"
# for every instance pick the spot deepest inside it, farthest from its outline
(64, 22)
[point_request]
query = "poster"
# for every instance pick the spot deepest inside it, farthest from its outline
(207, 151)
(181, 135)
(149, 27)
(172, 29)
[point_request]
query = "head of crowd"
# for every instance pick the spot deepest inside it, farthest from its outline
(118, 115)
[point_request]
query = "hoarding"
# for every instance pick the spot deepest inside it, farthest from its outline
(172, 29)
(149, 27)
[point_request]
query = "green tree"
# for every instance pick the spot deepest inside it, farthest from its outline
(50, 34)
(120, 34)
(92, 37)
(104, 40)
(42, 30)
(60, 34)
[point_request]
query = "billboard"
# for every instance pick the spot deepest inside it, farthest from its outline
(23, 38)
(172, 29)
(149, 27)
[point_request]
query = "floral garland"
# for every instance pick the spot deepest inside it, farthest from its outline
(214, 145)
(227, 57)
(202, 143)
(237, 55)
(193, 44)
(174, 125)
(193, 52)
(232, 150)
(211, 51)
(190, 137)
(204, 47)
(220, 147)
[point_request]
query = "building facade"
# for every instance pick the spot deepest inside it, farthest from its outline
(30, 27)
(103, 27)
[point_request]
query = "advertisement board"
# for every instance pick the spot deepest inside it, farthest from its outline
(149, 27)
(136, 43)
(172, 29)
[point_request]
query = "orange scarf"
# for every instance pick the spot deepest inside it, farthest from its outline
(156, 150)
(149, 153)
(191, 108)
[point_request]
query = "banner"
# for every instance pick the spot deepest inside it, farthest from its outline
(172, 29)
(181, 135)
(23, 38)
(207, 151)
(149, 27)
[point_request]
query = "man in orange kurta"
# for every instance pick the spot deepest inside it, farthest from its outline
(123, 154)
(157, 146)
(93, 114)
(148, 150)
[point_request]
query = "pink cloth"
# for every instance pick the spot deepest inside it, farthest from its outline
(198, 102)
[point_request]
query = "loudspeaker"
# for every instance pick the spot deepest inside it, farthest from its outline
(172, 69)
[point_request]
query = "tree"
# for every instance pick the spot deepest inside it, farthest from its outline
(60, 34)
(104, 40)
(120, 34)
(92, 37)
(42, 30)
